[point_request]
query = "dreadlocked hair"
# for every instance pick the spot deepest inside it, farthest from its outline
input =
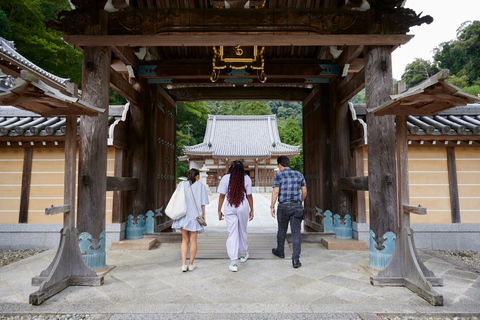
(236, 186)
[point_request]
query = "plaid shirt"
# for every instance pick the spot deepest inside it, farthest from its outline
(289, 181)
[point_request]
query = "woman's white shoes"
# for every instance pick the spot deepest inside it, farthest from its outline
(191, 267)
(244, 257)
(184, 268)
(233, 266)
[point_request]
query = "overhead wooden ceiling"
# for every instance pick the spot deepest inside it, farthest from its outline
(175, 38)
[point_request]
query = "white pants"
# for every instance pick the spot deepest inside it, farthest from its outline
(237, 219)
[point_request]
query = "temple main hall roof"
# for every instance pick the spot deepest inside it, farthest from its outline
(241, 136)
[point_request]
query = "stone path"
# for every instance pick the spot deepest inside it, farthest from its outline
(329, 285)
(150, 285)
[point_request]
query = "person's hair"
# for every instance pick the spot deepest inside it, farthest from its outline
(284, 161)
(192, 173)
(236, 186)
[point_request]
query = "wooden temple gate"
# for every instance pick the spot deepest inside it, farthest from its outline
(158, 53)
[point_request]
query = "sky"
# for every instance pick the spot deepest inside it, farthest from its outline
(447, 16)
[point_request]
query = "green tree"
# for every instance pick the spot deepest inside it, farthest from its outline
(418, 71)
(40, 45)
(291, 133)
(359, 97)
(5, 27)
(462, 56)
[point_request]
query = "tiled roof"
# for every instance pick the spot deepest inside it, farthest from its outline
(15, 122)
(241, 136)
(7, 48)
(456, 121)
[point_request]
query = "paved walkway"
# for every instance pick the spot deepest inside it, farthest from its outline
(150, 285)
(329, 285)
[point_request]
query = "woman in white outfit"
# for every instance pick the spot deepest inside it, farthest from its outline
(237, 187)
(196, 198)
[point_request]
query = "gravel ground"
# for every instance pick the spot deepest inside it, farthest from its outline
(426, 318)
(46, 317)
(9, 256)
(470, 258)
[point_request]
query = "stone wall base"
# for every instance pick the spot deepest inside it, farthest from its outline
(432, 236)
(46, 236)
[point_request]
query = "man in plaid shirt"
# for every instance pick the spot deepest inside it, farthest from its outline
(290, 188)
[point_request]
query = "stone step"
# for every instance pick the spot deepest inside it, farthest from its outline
(134, 244)
(343, 244)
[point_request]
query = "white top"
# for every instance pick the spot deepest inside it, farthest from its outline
(223, 186)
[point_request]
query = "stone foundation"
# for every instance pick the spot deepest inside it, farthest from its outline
(46, 236)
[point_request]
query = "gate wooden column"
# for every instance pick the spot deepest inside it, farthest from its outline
(92, 168)
(342, 202)
(382, 184)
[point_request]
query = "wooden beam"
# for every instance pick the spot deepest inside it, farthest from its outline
(58, 209)
(414, 209)
(121, 184)
(331, 21)
(243, 39)
(166, 96)
(25, 192)
(311, 95)
(123, 87)
(348, 89)
(349, 54)
(127, 56)
(239, 94)
(354, 183)
(293, 69)
(453, 185)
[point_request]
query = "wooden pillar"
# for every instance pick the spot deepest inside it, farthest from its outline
(118, 196)
(137, 155)
(359, 196)
(453, 185)
(381, 144)
(257, 178)
(92, 170)
(340, 146)
(25, 193)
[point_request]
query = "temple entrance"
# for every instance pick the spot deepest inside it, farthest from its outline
(158, 54)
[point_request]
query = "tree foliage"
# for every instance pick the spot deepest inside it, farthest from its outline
(22, 21)
(418, 71)
(291, 133)
(462, 56)
(238, 108)
(191, 124)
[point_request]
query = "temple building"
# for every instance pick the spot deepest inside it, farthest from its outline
(253, 139)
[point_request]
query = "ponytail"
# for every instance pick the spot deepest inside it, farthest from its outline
(192, 173)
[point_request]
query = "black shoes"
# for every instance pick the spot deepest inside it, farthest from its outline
(276, 253)
(296, 263)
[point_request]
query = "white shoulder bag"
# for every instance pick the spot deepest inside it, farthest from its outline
(177, 207)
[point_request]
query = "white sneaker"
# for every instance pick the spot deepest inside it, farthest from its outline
(191, 267)
(244, 257)
(233, 266)
(184, 268)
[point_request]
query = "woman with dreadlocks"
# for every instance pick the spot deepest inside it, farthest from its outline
(237, 187)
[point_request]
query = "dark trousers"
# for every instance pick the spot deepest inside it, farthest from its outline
(290, 213)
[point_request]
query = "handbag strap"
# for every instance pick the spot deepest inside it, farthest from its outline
(194, 197)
